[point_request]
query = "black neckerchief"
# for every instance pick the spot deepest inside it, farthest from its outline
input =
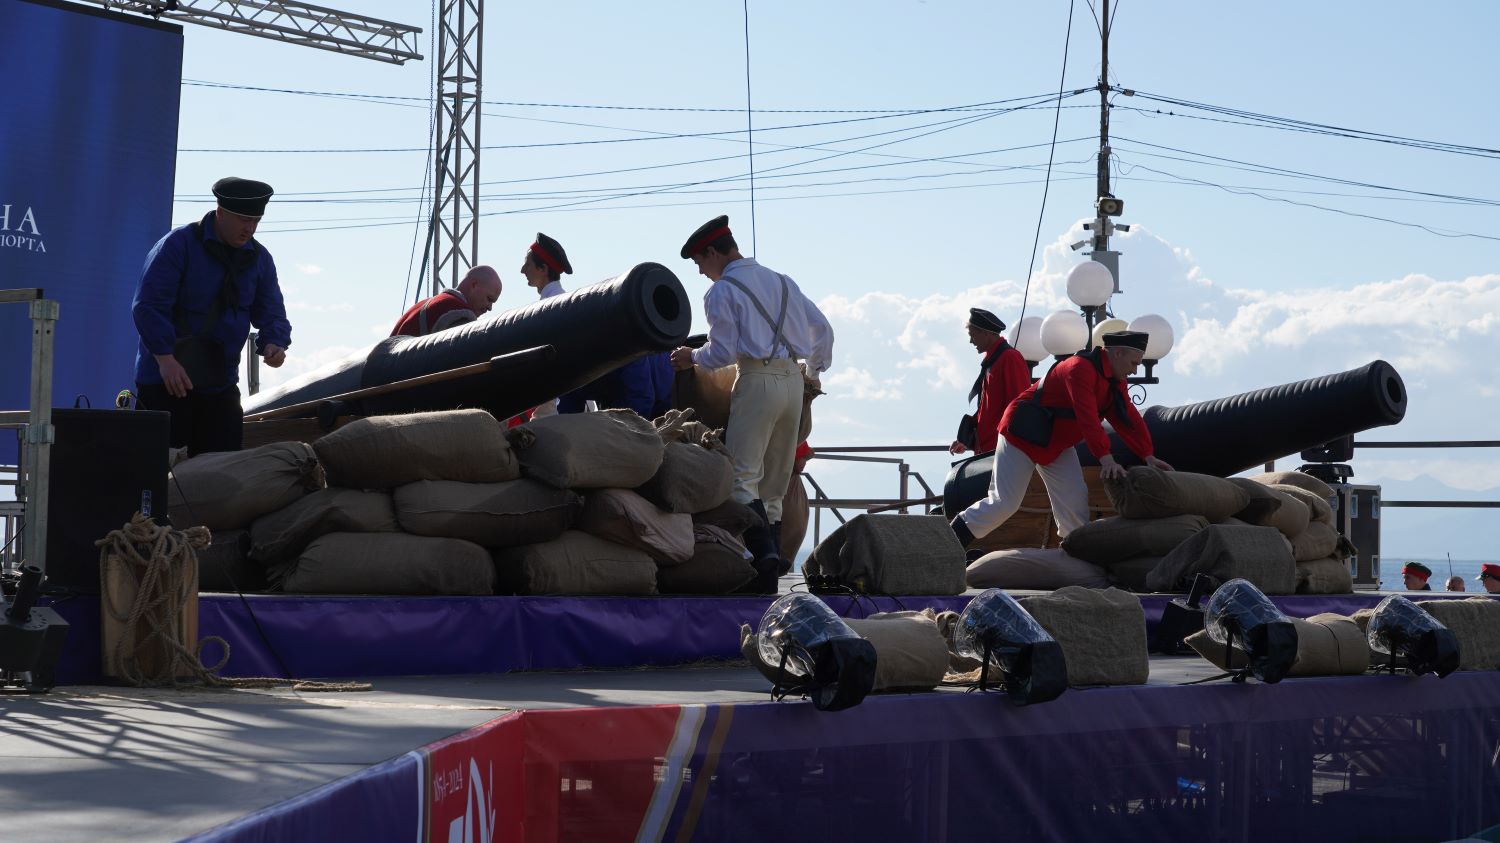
(984, 368)
(234, 261)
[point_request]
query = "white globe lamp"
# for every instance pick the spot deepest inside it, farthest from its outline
(1027, 338)
(1090, 284)
(1064, 332)
(1160, 331)
(1108, 326)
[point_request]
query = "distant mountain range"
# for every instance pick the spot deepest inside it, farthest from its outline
(1469, 534)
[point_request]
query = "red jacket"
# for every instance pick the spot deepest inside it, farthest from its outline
(1006, 378)
(1077, 385)
(429, 316)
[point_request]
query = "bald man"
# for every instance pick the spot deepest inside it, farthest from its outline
(473, 298)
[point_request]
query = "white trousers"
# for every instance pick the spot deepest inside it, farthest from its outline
(1009, 477)
(765, 408)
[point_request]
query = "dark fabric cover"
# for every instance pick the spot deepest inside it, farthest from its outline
(894, 554)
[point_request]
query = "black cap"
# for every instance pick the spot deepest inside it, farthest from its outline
(245, 197)
(1127, 339)
(551, 254)
(985, 320)
(706, 234)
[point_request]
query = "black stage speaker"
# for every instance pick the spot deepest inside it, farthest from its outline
(106, 466)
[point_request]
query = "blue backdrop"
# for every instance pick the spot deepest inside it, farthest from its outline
(88, 141)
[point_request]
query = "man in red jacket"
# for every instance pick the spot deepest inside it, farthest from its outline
(1002, 376)
(1041, 427)
(473, 298)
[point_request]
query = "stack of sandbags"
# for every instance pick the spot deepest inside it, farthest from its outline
(614, 449)
(1475, 622)
(227, 490)
(1034, 568)
(390, 563)
(1158, 512)
(504, 514)
(1128, 548)
(1102, 633)
(1327, 645)
(225, 564)
(383, 452)
(1320, 552)
(893, 554)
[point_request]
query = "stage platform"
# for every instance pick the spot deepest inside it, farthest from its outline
(338, 637)
(702, 754)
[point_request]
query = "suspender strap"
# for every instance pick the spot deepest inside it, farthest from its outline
(777, 339)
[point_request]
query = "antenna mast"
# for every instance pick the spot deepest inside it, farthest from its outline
(455, 211)
(1105, 203)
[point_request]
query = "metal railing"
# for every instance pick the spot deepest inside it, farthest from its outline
(903, 502)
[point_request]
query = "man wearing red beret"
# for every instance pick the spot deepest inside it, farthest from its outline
(1489, 577)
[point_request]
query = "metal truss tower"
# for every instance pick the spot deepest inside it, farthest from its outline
(455, 210)
(294, 23)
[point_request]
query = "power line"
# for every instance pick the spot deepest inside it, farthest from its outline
(1047, 183)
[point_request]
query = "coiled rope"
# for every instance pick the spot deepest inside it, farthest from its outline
(161, 562)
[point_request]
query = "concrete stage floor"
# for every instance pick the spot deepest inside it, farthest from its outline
(92, 763)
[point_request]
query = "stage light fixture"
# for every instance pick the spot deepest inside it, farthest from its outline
(1238, 610)
(1400, 627)
(817, 652)
(995, 630)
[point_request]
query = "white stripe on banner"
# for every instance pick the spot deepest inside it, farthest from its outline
(664, 799)
(421, 759)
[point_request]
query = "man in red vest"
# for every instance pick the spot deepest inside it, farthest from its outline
(1002, 376)
(473, 298)
(1041, 427)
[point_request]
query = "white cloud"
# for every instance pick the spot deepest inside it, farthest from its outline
(309, 269)
(860, 385)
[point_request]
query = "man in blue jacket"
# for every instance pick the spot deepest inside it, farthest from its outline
(204, 285)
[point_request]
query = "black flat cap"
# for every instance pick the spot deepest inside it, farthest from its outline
(245, 197)
(985, 320)
(1127, 339)
(551, 254)
(706, 234)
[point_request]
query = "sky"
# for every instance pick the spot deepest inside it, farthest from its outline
(895, 246)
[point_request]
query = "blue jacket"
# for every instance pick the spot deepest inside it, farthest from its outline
(179, 284)
(643, 385)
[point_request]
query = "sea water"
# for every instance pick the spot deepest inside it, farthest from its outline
(1390, 572)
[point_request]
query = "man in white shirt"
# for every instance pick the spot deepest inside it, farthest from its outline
(544, 266)
(760, 321)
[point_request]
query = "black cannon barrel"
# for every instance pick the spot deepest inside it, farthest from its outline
(26, 593)
(594, 330)
(1228, 435)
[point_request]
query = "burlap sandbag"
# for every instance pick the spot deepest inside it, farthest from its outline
(1132, 573)
(691, 479)
(730, 515)
(1475, 622)
(227, 490)
(1102, 633)
(706, 392)
(1116, 539)
(1290, 515)
(575, 563)
(1318, 508)
(488, 514)
(1300, 479)
(947, 624)
(225, 564)
(1327, 645)
(613, 449)
(910, 652)
(1258, 554)
(390, 563)
(719, 565)
(1329, 575)
(1263, 503)
(1033, 567)
(281, 536)
(1147, 492)
(383, 452)
(894, 554)
(624, 517)
(1318, 541)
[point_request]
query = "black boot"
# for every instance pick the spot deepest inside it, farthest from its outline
(960, 529)
(761, 542)
(786, 564)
